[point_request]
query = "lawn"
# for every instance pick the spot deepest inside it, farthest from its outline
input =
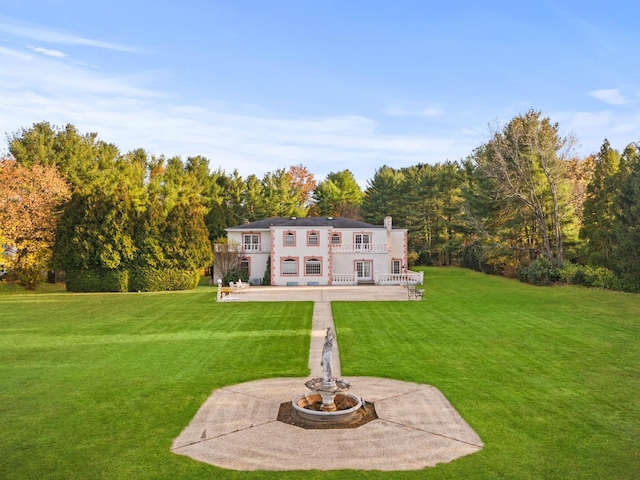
(549, 377)
(98, 385)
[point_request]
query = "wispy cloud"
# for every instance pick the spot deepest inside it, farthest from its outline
(127, 111)
(612, 96)
(48, 52)
(48, 35)
(399, 111)
(620, 128)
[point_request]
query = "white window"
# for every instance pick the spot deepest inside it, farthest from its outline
(251, 242)
(289, 238)
(290, 267)
(363, 241)
(396, 266)
(312, 238)
(336, 239)
(312, 266)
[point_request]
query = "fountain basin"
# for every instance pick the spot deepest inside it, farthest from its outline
(309, 407)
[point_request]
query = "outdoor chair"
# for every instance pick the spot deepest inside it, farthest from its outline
(413, 292)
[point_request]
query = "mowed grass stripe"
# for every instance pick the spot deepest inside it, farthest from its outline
(547, 376)
(98, 386)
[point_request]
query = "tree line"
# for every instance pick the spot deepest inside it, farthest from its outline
(521, 204)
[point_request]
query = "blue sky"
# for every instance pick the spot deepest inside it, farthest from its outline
(258, 85)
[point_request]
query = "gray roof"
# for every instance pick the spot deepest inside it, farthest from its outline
(336, 222)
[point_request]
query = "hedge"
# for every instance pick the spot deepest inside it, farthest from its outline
(104, 280)
(146, 279)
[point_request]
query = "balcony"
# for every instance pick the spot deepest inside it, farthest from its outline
(360, 248)
(255, 248)
(247, 248)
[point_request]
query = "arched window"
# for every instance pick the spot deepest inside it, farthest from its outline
(289, 238)
(313, 239)
(336, 239)
(312, 266)
(290, 266)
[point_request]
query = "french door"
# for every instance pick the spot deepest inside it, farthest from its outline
(364, 270)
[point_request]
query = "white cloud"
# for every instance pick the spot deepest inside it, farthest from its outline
(125, 110)
(612, 96)
(591, 128)
(48, 52)
(45, 34)
(400, 111)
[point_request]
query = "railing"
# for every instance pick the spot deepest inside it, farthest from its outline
(409, 277)
(343, 279)
(359, 248)
(242, 249)
(256, 248)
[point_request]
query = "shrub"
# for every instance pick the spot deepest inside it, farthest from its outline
(234, 276)
(148, 279)
(266, 280)
(572, 274)
(600, 277)
(539, 272)
(97, 280)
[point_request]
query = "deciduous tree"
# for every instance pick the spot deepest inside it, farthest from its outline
(30, 199)
(528, 160)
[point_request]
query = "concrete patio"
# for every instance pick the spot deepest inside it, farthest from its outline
(237, 427)
(323, 294)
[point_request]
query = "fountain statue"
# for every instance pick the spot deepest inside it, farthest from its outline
(321, 406)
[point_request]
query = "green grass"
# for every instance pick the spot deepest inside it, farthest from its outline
(548, 377)
(99, 385)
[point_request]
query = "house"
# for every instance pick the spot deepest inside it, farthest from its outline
(322, 251)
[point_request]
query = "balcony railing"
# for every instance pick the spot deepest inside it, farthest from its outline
(255, 248)
(360, 248)
(243, 249)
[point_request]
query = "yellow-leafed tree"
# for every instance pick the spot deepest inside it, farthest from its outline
(30, 200)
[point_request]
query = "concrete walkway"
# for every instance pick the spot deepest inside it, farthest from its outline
(236, 428)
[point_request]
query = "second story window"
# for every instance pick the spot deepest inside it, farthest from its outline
(289, 239)
(313, 239)
(251, 242)
(362, 241)
(336, 239)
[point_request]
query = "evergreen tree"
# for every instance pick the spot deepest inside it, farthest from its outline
(384, 196)
(338, 195)
(94, 243)
(281, 199)
(598, 213)
(625, 254)
(185, 238)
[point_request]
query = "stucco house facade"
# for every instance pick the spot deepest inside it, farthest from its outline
(321, 251)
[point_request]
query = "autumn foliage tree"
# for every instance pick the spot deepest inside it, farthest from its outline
(30, 200)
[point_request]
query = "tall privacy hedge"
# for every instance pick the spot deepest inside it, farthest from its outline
(98, 280)
(104, 244)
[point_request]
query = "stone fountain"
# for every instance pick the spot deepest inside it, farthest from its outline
(329, 401)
